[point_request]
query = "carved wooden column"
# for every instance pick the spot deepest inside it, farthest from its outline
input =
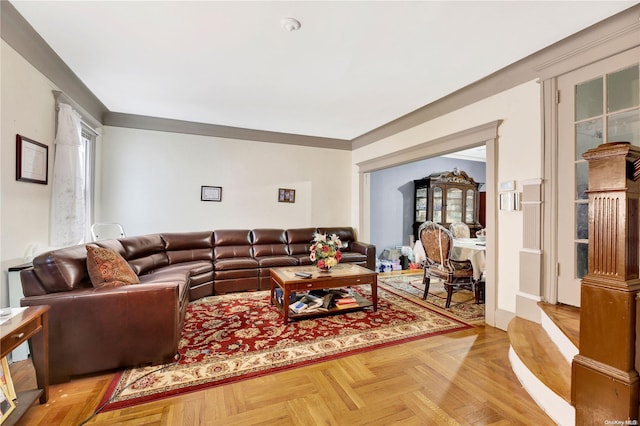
(605, 383)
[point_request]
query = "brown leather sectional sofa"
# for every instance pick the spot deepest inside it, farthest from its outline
(95, 329)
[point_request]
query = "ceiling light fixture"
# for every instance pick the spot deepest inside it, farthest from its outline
(290, 24)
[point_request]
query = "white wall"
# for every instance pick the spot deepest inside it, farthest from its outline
(151, 183)
(28, 109)
(519, 158)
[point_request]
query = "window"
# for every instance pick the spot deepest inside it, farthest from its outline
(88, 136)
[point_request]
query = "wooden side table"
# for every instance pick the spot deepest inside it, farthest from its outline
(32, 323)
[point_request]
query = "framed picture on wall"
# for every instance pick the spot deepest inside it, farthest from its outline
(32, 161)
(286, 195)
(210, 193)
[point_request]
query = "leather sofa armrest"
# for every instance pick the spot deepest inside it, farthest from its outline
(368, 250)
(92, 330)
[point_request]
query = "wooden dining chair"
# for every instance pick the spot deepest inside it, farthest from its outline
(437, 242)
(460, 230)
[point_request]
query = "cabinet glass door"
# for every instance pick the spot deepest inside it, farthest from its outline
(454, 205)
(469, 207)
(421, 205)
(437, 205)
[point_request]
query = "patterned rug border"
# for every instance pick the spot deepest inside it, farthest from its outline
(428, 304)
(408, 298)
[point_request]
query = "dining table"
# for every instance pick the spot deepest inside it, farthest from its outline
(472, 249)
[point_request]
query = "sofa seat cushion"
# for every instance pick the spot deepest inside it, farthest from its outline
(200, 271)
(351, 257)
(167, 275)
(273, 261)
(303, 259)
(235, 274)
(232, 263)
(107, 268)
(197, 267)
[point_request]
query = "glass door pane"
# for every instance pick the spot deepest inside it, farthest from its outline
(421, 207)
(437, 204)
(469, 206)
(624, 127)
(623, 102)
(454, 205)
(622, 89)
(589, 99)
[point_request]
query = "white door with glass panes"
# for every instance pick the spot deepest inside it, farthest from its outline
(598, 104)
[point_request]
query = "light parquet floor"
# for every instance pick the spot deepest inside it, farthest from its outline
(462, 378)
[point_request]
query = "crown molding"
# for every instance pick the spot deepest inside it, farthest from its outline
(203, 129)
(607, 38)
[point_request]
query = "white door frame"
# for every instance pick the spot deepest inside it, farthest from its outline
(486, 134)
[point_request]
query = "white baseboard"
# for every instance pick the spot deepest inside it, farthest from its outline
(502, 319)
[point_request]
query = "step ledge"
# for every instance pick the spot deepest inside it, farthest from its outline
(554, 405)
(565, 346)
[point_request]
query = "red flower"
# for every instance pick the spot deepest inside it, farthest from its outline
(338, 255)
(320, 263)
(325, 249)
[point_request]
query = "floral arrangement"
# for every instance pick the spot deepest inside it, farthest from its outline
(325, 252)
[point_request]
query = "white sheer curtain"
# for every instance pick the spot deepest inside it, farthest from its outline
(68, 221)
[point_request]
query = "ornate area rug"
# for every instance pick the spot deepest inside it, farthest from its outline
(237, 336)
(463, 303)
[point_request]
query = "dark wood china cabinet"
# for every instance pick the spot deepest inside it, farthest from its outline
(444, 198)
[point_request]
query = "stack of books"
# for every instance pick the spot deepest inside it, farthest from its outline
(318, 300)
(346, 302)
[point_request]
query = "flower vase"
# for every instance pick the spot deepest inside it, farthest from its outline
(325, 269)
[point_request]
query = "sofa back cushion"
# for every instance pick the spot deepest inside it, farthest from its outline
(63, 269)
(345, 234)
(107, 268)
(144, 253)
(269, 242)
(188, 246)
(228, 243)
(299, 240)
(114, 245)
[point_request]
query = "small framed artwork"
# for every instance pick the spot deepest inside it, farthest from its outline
(32, 161)
(286, 195)
(210, 193)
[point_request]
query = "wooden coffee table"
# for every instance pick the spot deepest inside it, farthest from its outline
(341, 275)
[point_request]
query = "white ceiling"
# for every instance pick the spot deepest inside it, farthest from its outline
(352, 67)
